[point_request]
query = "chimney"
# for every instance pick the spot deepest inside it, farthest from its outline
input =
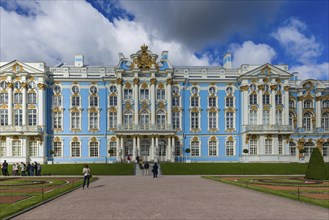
(227, 61)
(78, 61)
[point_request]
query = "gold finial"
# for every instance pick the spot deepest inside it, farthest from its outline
(144, 47)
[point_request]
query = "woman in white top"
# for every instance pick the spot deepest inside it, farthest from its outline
(86, 176)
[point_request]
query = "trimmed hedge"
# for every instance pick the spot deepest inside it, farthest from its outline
(316, 168)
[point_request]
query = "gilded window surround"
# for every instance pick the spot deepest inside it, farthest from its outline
(41, 86)
(254, 107)
(112, 109)
(244, 88)
(4, 106)
(17, 106)
(279, 107)
(31, 106)
(230, 130)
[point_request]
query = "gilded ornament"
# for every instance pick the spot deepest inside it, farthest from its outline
(261, 87)
(266, 107)
(41, 86)
(279, 107)
(265, 80)
(144, 61)
(230, 138)
(10, 85)
(75, 139)
(244, 88)
(273, 87)
(269, 136)
(175, 109)
(253, 136)
(286, 88)
(4, 106)
(153, 81)
(318, 98)
(119, 81)
(93, 139)
(58, 129)
(266, 70)
(128, 85)
(169, 81)
(213, 138)
(195, 138)
(113, 139)
(17, 68)
(18, 106)
(144, 86)
(160, 86)
(136, 81)
(3, 78)
(161, 105)
(57, 139)
(253, 107)
(30, 106)
(278, 80)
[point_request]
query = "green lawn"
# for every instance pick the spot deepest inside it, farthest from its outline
(233, 168)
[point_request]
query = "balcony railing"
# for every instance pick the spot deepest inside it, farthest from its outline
(139, 127)
(21, 129)
(267, 128)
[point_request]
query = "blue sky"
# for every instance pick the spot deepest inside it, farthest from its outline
(194, 32)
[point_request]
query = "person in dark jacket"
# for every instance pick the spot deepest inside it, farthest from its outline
(155, 170)
(146, 168)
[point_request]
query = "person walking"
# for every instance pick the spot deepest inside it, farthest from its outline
(86, 176)
(146, 168)
(39, 169)
(155, 170)
(22, 165)
(5, 168)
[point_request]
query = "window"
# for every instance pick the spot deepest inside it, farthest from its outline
(128, 118)
(175, 101)
(291, 104)
(253, 147)
(75, 89)
(175, 90)
(266, 99)
(308, 147)
(176, 120)
(3, 149)
(325, 149)
(278, 117)
(144, 93)
(128, 94)
(307, 122)
(325, 103)
(161, 94)
(18, 114)
(161, 119)
(18, 98)
(93, 149)
(212, 90)
(292, 147)
(253, 87)
(229, 120)
(57, 101)
(253, 99)
(144, 118)
(253, 117)
(75, 120)
(31, 98)
(194, 120)
(3, 84)
(93, 101)
(112, 120)
(93, 120)
(75, 149)
(58, 149)
(145, 148)
(212, 102)
(280, 147)
(195, 151)
(266, 87)
(32, 117)
(278, 99)
(57, 120)
(308, 104)
(229, 148)
(113, 146)
(162, 148)
(3, 98)
(229, 101)
(17, 85)
(113, 101)
(212, 120)
(291, 119)
(57, 89)
(75, 101)
(33, 149)
(278, 87)
(325, 121)
(266, 117)
(177, 148)
(93, 90)
(113, 89)
(17, 148)
(195, 90)
(268, 146)
(212, 148)
(194, 101)
(3, 117)
(229, 90)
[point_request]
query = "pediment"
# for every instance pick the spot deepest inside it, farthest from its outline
(266, 70)
(18, 67)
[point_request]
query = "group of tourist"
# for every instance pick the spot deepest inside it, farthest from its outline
(29, 169)
(145, 167)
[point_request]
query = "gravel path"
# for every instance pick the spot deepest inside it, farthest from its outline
(171, 197)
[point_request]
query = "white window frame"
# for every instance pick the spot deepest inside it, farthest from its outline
(253, 147)
(113, 120)
(268, 146)
(195, 149)
(4, 117)
(33, 148)
(77, 146)
(58, 148)
(18, 117)
(93, 120)
(57, 120)
(212, 120)
(17, 148)
(3, 98)
(229, 120)
(229, 148)
(93, 148)
(253, 117)
(212, 148)
(75, 120)
(195, 120)
(32, 117)
(176, 120)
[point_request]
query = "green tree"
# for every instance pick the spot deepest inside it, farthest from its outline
(316, 168)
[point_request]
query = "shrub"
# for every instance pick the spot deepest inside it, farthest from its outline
(187, 150)
(245, 151)
(302, 151)
(316, 168)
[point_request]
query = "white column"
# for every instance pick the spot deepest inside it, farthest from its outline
(136, 101)
(245, 104)
(24, 147)
(41, 104)
(318, 110)
(168, 151)
(122, 148)
(261, 145)
(169, 81)
(173, 148)
(119, 119)
(42, 149)
(118, 147)
(152, 149)
(152, 97)
(138, 145)
(260, 109)
(24, 106)
(156, 157)
(134, 149)
(286, 108)
(299, 111)
(275, 145)
(9, 148)
(273, 108)
(10, 104)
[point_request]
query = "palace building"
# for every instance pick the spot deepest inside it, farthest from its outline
(145, 106)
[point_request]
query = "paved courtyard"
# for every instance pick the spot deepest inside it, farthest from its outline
(171, 197)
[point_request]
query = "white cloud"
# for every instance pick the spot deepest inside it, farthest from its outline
(251, 53)
(296, 42)
(312, 71)
(62, 29)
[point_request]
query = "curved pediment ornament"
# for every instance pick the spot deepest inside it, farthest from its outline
(244, 88)
(308, 86)
(144, 61)
(119, 81)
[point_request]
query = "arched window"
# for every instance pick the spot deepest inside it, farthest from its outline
(144, 118)
(291, 104)
(161, 119)
(145, 148)
(229, 102)
(75, 149)
(253, 99)
(292, 147)
(278, 99)
(128, 118)
(268, 146)
(229, 148)
(194, 101)
(325, 121)
(291, 119)
(325, 103)
(195, 151)
(162, 148)
(33, 149)
(58, 149)
(212, 148)
(93, 149)
(308, 147)
(266, 99)
(307, 122)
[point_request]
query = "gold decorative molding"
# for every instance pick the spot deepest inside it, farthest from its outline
(309, 97)
(75, 109)
(144, 86)
(254, 107)
(161, 105)
(279, 107)
(195, 110)
(195, 129)
(136, 81)
(195, 138)
(24, 85)
(93, 139)
(128, 85)
(113, 109)
(153, 81)
(230, 130)
(254, 137)
(266, 70)
(144, 61)
(160, 86)
(230, 109)
(119, 81)
(113, 139)
(265, 80)
(10, 85)
(17, 68)
(41, 86)
(169, 81)
(278, 80)
(75, 139)
(15, 137)
(244, 88)
(230, 138)
(212, 109)
(128, 106)
(318, 98)
(58, 129)
(3, 78)
(286, 88)
(292, 98)
(57, 139)
(93, 109)
(261, 87)
(176, 109)
(273, 87)
(4, 106)
(213, 130)
(17, 106)
(31, 106)
(213, 138)
(144, 105)
(269, 136)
